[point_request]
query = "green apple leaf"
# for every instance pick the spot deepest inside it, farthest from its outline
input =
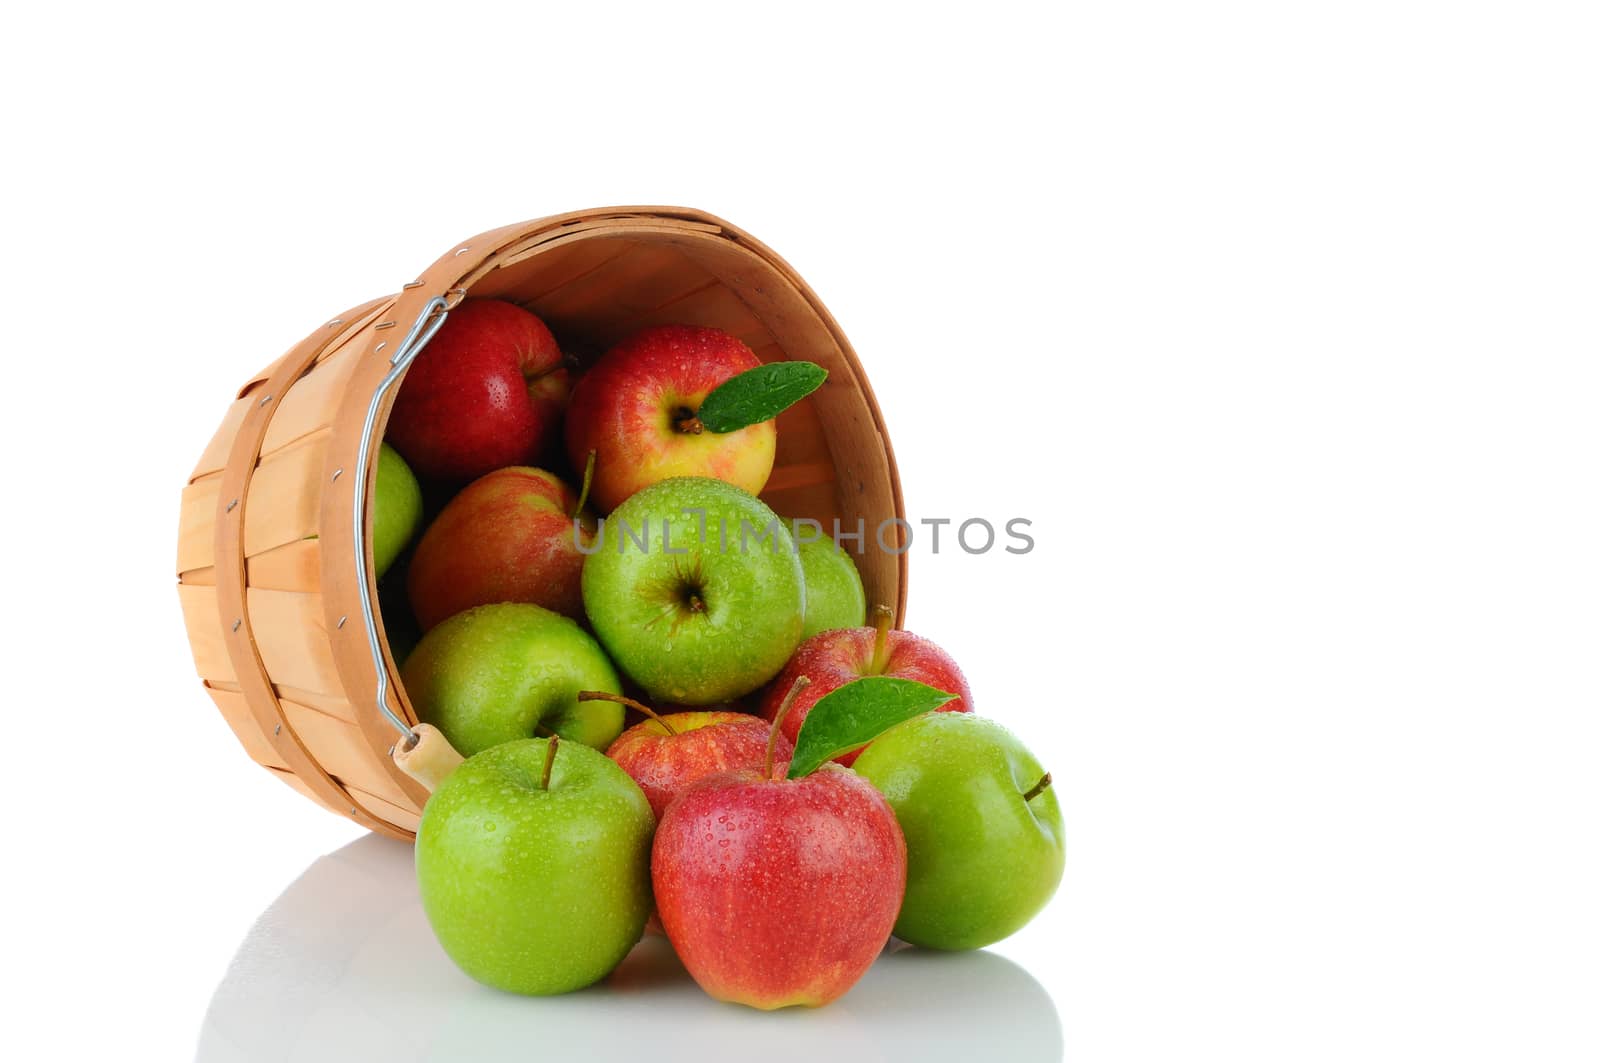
(758, 394)
(856, 713)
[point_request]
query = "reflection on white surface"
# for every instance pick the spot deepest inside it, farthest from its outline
(343, 967)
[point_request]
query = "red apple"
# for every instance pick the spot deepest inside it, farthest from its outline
(778, 891)
(636, 409)
(668, 753)
(507, 537)
(833, 658)
(485, 393)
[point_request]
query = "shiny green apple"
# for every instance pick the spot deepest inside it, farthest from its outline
(834, 595)
(396, 509)
(536, 879)
(694, 588)
(983, 829)
(501, 672)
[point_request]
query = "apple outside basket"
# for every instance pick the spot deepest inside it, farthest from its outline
(274, 542)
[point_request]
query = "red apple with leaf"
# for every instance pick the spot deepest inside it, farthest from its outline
(677, 400)
(486, 392)
(778, 885)
(834, 658)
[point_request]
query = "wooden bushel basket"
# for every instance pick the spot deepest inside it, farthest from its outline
(278, 601)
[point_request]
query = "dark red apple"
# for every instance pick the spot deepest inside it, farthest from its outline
(486, 392)
(636, 410)
(667, 754)
(833, 658)
(774, 891)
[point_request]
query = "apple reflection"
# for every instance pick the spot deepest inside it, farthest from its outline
(343, 967)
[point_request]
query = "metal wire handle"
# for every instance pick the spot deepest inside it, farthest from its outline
(422, 330)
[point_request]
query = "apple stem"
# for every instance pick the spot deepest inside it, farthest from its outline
(620, 699)
(882, 618)
(1038, 788)
(549, 760)
(684, 420)
(588, 481)
(800, 683)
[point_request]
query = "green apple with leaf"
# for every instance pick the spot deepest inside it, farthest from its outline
(533, 864)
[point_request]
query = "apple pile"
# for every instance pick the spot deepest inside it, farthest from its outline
(560, 554)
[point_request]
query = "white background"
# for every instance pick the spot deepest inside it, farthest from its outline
(1278, 320)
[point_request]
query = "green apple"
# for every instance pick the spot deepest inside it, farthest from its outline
(501, 672)
(695, 589)
(834, 595)
(983, 830)
(533, 861)
(396, 511)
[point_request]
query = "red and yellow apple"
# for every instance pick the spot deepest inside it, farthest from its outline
(486, 392)
(507, 537)
(636, 409)
(833, 658)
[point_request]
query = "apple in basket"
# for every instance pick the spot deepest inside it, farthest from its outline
(676, 400)
(507, 537)
(486, 392)
(496, 673)
(396, 510)
(834, 595)
(695, 591)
